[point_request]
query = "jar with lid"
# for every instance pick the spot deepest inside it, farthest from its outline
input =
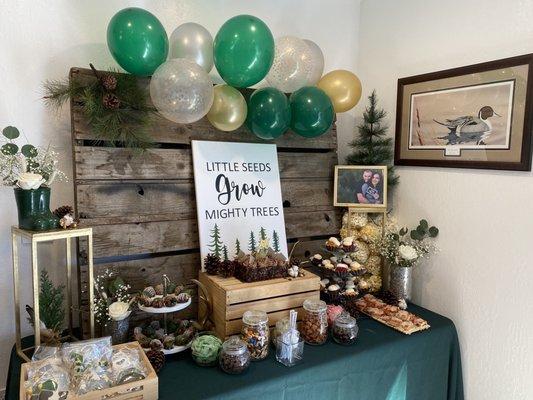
(345, 329)
(314, 326)
(282, 326)
(234, 357)
(255, 333)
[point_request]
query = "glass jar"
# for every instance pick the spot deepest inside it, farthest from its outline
(314, 326)
(282, 326)
(234, 357)
(345, 329)
(255, 333)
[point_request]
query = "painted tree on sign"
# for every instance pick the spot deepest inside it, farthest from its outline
(275, 241)
(252, 244)
(237, 246)
(225, 252)
(262, 233)
(216, 244)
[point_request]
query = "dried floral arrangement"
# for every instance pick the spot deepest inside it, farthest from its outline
(114, 105)
(51, 310)
(406, 248)
(112, 299)
(27, 167)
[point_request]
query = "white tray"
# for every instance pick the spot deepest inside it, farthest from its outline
(176, 349)
(165, 310)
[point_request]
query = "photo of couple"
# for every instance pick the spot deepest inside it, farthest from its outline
(360, 186)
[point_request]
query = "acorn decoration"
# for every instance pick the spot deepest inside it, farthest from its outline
(212, 264)
(149, 291)
(156, 358)
(159, 289)
(170, 300)
(144, 300)
(168, 342)
(178, 289)
(183, 297)
(158, 302)
(156, 344)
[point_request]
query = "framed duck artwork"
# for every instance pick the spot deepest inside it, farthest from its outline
(478, 116)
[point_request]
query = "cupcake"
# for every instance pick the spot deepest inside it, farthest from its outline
(333, 243)
(351, 292)
(328, 264)
(356, 267)
(324, 283)
(316, 260)
(348, 245)
(333, 293)
(342, 270)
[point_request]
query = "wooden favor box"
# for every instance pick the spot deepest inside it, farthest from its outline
(145, 389)
(231, 298)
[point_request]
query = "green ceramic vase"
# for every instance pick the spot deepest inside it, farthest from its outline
(34, 209)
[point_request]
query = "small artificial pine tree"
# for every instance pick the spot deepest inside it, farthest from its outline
(262, 233)
(225, 252)
(237, 247)
(275, 241)
(216, 244)
(51, 298)
(252, 243)
(372, 147)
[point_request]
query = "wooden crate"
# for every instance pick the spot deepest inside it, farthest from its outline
(231, 298)
(146, 389)
(142, 207)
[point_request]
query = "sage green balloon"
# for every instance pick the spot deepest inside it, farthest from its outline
(269, 113)
(312, 112)
(243, 50)
(137, 41)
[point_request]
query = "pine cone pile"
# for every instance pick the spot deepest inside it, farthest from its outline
(227, 268)
(156, 358)
(212, 264)
(111, 101)
(63, 210)
(109, 82)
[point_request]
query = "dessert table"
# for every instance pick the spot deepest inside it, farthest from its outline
(383, 365)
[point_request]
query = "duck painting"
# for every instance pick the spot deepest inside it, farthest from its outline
(469, 129)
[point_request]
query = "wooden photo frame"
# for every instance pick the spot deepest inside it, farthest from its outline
(360, 187)
(478, 116)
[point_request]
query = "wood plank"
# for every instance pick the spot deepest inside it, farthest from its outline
(234, 311)
(165, 131)
(120, 163)
(265, 291)
(154, 237)
(144, 202)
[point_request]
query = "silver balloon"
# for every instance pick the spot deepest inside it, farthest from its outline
(292, 64)
(194, 42)
(317, 63)
(181, 90)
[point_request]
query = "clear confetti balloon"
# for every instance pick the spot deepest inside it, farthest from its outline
(317, 63)
(292, 64)
(194, 42)
(181, 91)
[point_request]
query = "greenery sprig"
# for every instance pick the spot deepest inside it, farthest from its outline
(114, 105)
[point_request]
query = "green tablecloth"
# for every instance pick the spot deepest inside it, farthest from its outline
(382, 365)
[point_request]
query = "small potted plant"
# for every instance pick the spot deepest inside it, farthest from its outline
(403, 249)
(30, 171)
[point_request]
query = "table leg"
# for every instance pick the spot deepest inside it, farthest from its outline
(16, 296)
(91, 282)
(69, 285)
(35, 272)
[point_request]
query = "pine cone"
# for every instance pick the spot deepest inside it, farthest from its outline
(111, 101)
(156, 358)
(63, 210)
(212, 264)
(227, 268)
(109, 82)
(295, 261)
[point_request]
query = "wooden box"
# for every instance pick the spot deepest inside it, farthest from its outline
(231, 298)
(146, 389)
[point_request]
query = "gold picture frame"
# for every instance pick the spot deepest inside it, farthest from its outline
(346, 181)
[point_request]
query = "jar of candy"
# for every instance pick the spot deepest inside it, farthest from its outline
(255, 333)
(314, 326)
(345, 329)
(234, 357)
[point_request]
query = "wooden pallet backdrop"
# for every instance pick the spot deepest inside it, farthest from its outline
(142, 207)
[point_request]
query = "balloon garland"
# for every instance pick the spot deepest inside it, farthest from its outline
(244, 53)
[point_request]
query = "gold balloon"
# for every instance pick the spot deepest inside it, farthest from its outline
(229, 109)
(342, 87)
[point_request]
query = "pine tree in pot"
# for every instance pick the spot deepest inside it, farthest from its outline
(31, 171)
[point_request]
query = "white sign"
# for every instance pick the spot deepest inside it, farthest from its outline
(238, 197)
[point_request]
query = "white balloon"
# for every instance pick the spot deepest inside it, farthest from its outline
(193, 42)
(317, 63)
(181, 90)
(292, 64)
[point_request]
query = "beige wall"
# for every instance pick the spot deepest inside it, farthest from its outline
(42, 39)
(482, 278)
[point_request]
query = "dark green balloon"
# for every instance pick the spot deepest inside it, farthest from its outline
(269, 113)
(312, 112)
(243, 50)
(137, 41)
